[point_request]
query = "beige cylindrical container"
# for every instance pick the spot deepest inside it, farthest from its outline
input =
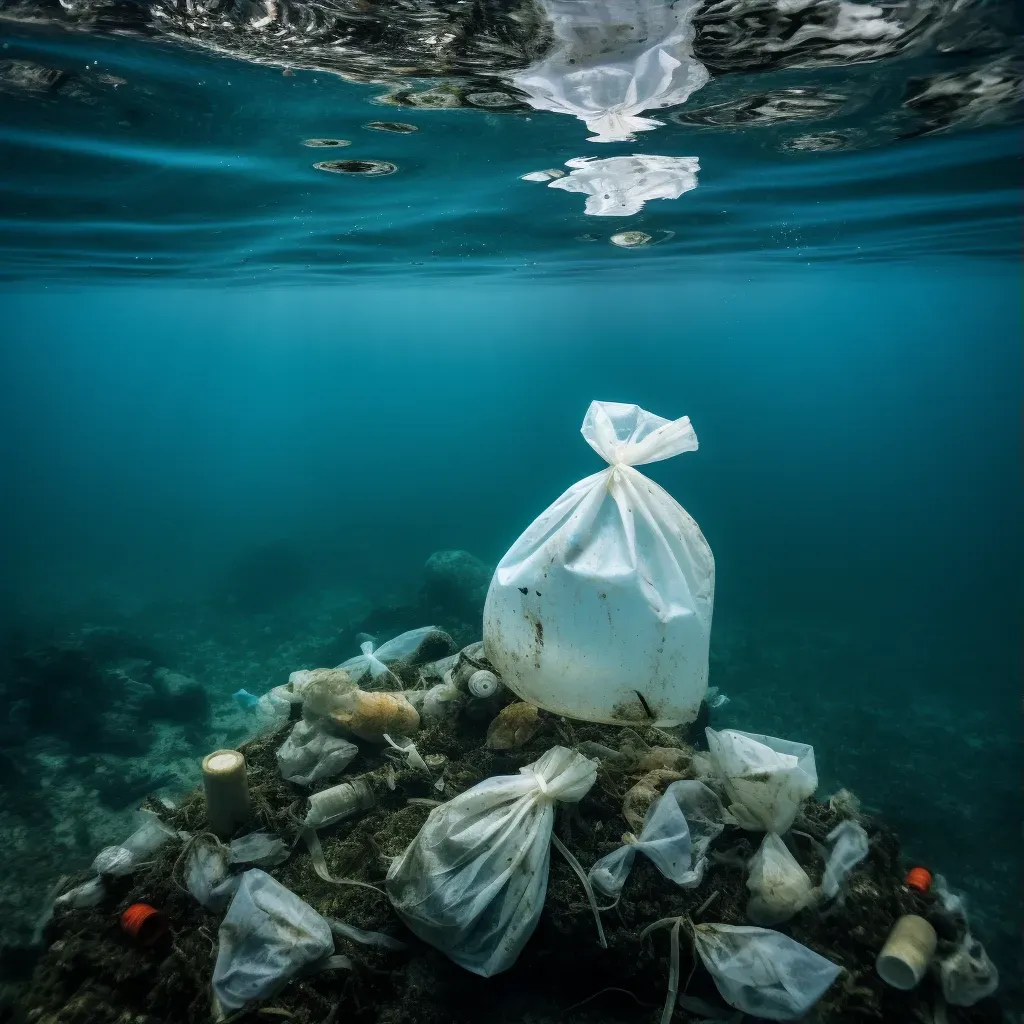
(331, 805)
(227, 792)
(907, 952)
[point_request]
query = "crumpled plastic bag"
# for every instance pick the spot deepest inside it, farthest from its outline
(620, 185)
(766, 778)
(968, 975)
(849, 844)
(473, 881)
(258, 849)
(761, 972)
(374, 661)
(309, 755)
(208, 873)
(614, 59)
(613, 585)
(678, 829)
(267, 936)
(137, 848)
(778, 886)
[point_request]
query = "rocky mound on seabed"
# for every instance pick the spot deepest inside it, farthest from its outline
(92, 973)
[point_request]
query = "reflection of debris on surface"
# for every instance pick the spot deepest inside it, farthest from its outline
(395, 127)
(767, 108)
(970, 98)
(630, 239)
(367, 168)
(823, 142)
(325, 143)
(89, 975)
(24, 76)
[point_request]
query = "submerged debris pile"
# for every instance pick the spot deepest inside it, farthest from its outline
(93, 971)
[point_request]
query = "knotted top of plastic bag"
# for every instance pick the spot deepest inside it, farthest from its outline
(376, 660)
(762, 972)
(626, 435)
(678, 829)
(614, 59)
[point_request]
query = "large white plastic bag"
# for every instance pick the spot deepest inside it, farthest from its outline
(678, 829)
(761, 972)
(766, 778)
(620, 185)
(309, 755)
(267, 936)
(614, 59)
(779, 886)
(473, 881)
(601, 610)
(375, 661)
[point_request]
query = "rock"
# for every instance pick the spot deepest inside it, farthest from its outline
(457, 580)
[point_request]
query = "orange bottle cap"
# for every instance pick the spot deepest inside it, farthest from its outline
(919, 879)
(143, 923)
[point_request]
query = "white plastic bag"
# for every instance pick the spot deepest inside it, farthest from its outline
(258, 849)
(968, 975)
(620, 185)
(137, 848)
(761, 972)
(309, 755)
(375, 661)
(473, 881)
(267, 936)
(766, 778)
(849, 847)
(611, 588)
(614, 59)
(778, 886)
(678, 829)
(207, 873)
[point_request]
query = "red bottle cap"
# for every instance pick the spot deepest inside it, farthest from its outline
(919, 879)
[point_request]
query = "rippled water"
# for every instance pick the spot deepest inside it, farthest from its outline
(173, 139)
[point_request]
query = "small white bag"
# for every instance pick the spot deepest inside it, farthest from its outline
(207, 873)
(778, 886)
(149, 837)
(678, 829)
(609, 589)
(309, 755)
(267, 936)
(761, 972)
(766, 778)
(473, 881)
(849, 847)
(375, 661)
(614, 59)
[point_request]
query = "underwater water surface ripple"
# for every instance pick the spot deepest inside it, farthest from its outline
(237, 140)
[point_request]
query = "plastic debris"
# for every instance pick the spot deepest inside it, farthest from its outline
(761, 972)
(332, 805)
(246, 699)
(472, 883)
(680, 826)
(88, 894)
(968, 975)
(267, 936)
(140, 845)
(348, 931)
(766, 778)
(573, 620)
(513, 726)
(259, 849)
(207, 872)
(849, 847)
(779, 886)
(375, 661)
(309, 755)
(619, 186)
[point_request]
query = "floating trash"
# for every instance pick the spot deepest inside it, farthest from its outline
(492, 100)
(325, 143)
(397, 127)
(766, 108)
(630, 239)
(431, 99)
(822, 142)
(369, 168)
(548, 175)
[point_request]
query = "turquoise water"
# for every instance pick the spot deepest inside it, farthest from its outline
(210, 346)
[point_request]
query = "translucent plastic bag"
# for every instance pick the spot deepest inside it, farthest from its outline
(258, 849)
(373, 662)
(611, 587)
(267, 936)
(620, 185)
(614, 59)
(761, 972)
(849, 844)
(473, 881)
(778, 886)
(207, 873)
(766, 778)
(149, 837)
(678, 829)
(968, 975)
(309, 755)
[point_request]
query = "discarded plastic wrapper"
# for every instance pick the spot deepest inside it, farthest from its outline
(761, 972)
(849, 847)
(140, 845)
(267, 936)
(680, 826)
(309, 755)
(766, 778)
(258, 849)
(612, 584)
(614, 59)
(619, 186)
(375, 661)
(779, 886)
(968, 975)
(88, 894)
(332, 805)
(473, 881)
(207, 873)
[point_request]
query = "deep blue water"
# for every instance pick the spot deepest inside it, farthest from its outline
(207, 344)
